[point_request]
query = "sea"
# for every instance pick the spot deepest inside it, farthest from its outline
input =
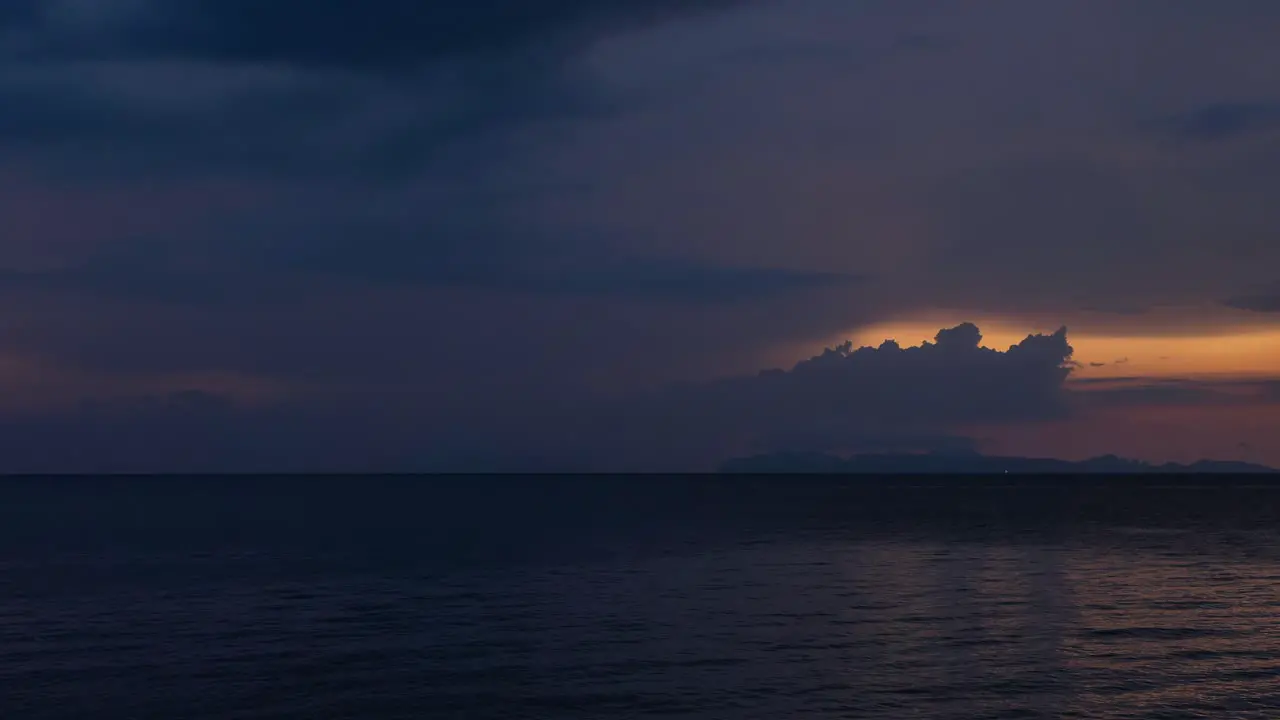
(717, 597)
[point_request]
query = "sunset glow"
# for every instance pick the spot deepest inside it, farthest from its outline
(612, 235)
(1244, 352)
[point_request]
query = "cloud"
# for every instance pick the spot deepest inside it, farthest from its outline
(499, 207)
(157, 280)
(83, 122)
(943, 396)
(1150, 393)
(1137, 392)
(951, 380)
(95, 123)
(461, 349)
(330, 33)
(844, 398)
(663, 280)
(1071, 213)
(872, 399)
(1223, 121)
(380, 90)
(1262, 302)
(520, 260)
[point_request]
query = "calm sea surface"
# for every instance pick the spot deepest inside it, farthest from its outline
(637, 597)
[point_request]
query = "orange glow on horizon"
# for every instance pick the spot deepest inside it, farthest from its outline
(1239, 352)
(1230, 358)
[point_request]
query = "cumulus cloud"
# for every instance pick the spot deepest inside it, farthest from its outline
(847, 397)
(951, 380)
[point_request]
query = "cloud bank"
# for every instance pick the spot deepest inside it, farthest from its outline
(475, 221)
(853, 398)
(885, 397)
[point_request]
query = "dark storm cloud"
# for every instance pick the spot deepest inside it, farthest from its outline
(866, 399)
(882, 399)
(951, 380)
(461, 71)
(1058, 212)
(686, 281)
(125, 123)
(368, 34)
(488, 352)
(477, 75)
(163, 103)
(483, 213)
(845, 397)
(19, 15)
(1216, 122)
(516, 260)
(1262, 302)
(150, 280)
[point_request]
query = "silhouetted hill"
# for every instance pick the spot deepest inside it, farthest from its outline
(970, 464)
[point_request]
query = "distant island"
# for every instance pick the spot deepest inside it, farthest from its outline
(801, 462)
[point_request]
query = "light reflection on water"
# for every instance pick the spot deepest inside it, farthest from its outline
(716, 600)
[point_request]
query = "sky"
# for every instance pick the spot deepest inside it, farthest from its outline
(387, 235)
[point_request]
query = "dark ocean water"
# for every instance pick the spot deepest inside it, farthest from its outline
(637, 597)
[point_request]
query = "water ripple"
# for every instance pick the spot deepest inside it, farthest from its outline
(690, 616)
